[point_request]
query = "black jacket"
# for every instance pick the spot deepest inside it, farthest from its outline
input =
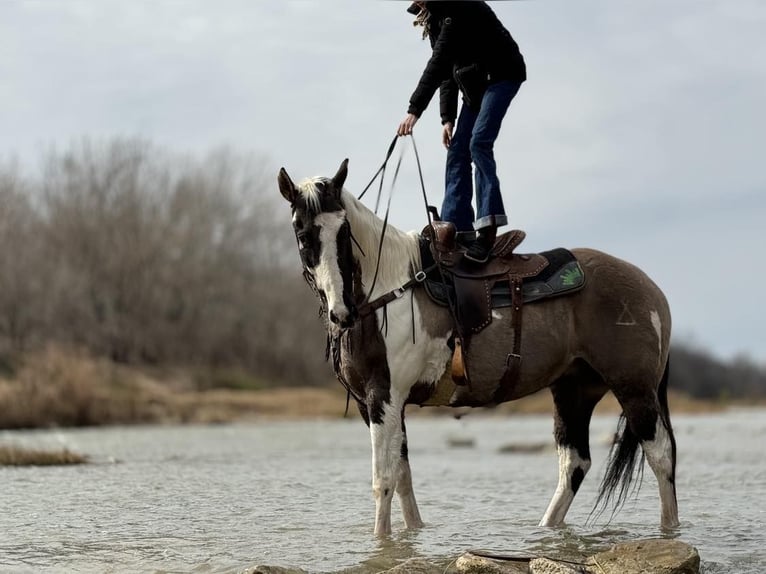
(471, 49)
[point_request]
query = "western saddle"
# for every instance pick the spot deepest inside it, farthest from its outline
(508, 279)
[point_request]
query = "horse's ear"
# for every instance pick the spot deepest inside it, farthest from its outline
(340, 178)
(286, 186)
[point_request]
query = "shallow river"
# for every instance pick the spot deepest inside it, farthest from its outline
(224, 498)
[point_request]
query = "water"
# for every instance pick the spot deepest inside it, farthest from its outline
(225, 498)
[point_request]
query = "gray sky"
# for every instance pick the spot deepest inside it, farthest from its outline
(640, 132)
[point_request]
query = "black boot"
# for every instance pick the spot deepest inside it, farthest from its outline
(464, 239)
(480, 249)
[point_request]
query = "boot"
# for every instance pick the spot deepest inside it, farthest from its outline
(464, 239)
(480, 249)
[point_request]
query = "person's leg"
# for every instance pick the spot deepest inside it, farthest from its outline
(458, 191)
(489, 201)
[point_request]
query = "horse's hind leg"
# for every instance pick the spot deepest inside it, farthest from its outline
(404, 486)
(574, 396)
(648, 421)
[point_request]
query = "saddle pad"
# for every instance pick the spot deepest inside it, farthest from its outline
(562, 275)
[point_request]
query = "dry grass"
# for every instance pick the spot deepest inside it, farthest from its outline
(17, 456)
(57, 388)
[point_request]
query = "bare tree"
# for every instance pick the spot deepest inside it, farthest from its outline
(22, 270)
(159, 259)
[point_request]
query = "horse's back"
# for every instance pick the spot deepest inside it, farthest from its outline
(621, 313)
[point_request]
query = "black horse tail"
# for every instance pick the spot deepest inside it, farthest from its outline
(623, 456)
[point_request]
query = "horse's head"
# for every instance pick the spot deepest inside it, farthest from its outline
(324, 241)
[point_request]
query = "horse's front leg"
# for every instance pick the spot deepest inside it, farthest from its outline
(387, 439)
(404, 486)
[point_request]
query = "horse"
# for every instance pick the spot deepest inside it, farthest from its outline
(612, 335)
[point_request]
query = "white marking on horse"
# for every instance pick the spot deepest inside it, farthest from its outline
(310, 192)
(569, 461)
(659, 455)
(654, 316)
(327, 272)
(386, 441)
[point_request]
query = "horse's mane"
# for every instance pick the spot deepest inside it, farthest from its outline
(400, 253)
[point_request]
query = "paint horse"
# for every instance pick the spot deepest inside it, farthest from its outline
(612, 335)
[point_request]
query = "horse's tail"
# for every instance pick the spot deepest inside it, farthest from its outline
(623, 456)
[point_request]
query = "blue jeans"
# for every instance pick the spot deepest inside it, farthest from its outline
(473, 141)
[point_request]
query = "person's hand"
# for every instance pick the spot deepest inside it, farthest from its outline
(405, 128)
(447, 130)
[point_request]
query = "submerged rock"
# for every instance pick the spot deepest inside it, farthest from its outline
(472, 564)
(273, 570)
(525, 448)
(655, 556)
(652, 556)
(548, 566)
(415, 566)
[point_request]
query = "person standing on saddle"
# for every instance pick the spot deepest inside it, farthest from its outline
(473, 53)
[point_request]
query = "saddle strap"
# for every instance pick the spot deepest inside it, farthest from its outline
(513, 360)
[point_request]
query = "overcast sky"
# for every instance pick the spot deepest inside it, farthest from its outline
(641, 130)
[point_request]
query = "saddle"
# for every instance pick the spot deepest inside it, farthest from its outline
(507, 279)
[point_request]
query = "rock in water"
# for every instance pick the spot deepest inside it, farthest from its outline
(471, 564)
(415, 566)
(273, 570)
(547, 566)
(654, 556)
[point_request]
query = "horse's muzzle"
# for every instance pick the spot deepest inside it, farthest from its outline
(344, 321)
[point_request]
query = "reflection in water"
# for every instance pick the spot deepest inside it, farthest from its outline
(221, 499)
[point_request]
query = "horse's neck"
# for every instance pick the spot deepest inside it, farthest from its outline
(399, 254)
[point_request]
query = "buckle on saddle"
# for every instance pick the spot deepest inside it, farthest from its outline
(510, 357)
(420, 276)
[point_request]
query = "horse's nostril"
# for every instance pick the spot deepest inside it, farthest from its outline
(333, 318)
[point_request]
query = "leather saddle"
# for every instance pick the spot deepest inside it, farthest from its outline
(507, 279)
(477, 288)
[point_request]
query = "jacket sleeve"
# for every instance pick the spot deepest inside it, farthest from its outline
(448, 93)
(438, 69)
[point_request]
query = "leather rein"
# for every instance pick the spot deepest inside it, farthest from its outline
(368, 307)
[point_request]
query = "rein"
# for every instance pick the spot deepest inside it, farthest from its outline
(368, 306)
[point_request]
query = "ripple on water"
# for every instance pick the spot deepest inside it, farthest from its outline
(220, 499)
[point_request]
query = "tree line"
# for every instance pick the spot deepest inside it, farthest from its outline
(145, 257)
(149, 258)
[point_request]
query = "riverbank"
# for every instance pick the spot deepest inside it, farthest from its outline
(58, 389)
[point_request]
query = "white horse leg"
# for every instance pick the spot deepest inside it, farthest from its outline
(574, 397)
(404, 487)
(386, 434)
(659, 454)
(572, 470)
